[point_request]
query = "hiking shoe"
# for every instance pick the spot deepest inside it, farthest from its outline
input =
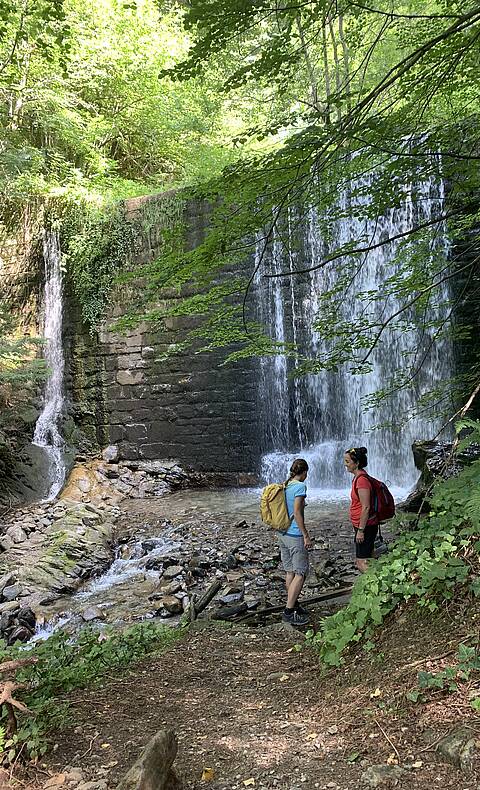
(295, 618)
(301, 610)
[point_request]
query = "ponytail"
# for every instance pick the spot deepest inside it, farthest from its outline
(298, 467)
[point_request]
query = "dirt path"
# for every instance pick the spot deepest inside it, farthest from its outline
(246, 704)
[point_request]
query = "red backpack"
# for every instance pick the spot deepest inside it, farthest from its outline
(382, 504)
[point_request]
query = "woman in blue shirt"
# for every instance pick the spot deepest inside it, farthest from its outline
(295, 543)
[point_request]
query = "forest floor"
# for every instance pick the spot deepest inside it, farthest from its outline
(248, 705)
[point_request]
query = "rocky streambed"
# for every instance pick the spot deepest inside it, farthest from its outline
(115, 557)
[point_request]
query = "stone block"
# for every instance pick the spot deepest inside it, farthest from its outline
(130, 361)
(136, 432)
(129, 377)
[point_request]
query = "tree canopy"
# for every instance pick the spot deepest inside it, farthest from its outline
(261, 108)
(389, 90)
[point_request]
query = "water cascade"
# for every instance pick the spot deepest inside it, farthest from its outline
(318, 416)
(47, 429)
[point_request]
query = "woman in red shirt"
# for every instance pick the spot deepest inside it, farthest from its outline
(365, 527)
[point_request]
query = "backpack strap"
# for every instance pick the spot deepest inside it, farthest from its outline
(372, 491)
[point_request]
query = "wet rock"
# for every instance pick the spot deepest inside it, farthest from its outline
(11, 592)
(458, 748)
(27, 618)
(382, 775)
(111, 454)
(150, 544)
(171, 588)
(19, 634)
(9, 606)
(172, 605)
(153, 770)
(92, 613)
(125, 552)
(173, 571)
(235, 597)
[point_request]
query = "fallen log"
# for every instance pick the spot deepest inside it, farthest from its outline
(203, 602)
(227, 612)
(325, 596)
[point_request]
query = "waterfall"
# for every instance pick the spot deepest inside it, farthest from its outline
(319, 416)
(47, 429)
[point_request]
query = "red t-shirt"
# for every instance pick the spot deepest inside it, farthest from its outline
(361, 481)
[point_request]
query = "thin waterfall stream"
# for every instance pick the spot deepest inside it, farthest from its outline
(47, 429)
(319, 416)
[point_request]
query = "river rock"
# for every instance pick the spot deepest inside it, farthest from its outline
(11, 592)
(153, 770)
(172, 605)
(9, 606)
(92, 613)
(171, 588)
(6, 543)
(172, 571)
(17, 534)
(6, 580)
(19, 634)
(458, 748)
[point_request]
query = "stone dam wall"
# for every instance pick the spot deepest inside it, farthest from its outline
(189, 408)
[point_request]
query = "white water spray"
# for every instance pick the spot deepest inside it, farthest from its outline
(325, 412)
(47, 430)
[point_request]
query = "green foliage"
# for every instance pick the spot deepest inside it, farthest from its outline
(357, 91)
(65, 664)
(20, 371)
(447, 679)
(83, 106)
(97, 244)
(99, 239)
(425, 565)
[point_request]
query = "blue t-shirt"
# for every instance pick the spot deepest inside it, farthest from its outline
(293, 489)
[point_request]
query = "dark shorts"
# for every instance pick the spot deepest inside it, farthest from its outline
(365, 550)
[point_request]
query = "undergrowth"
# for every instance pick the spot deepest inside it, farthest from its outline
(63, 664)
(426, 564)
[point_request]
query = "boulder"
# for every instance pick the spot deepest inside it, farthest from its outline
(171, 588)
(434, 460)
(173, 571)
(153, 769)
(172, 604)
(382, 775)
(6, 580)
(19, 634)
(6, 543)
(27, 618)
(11, 592)
(17, 534)
(9, 606)
(92, 613)
(458, 748)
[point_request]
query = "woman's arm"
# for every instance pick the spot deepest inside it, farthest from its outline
(364, 497)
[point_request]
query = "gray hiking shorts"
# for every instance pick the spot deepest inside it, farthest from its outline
(294, 554)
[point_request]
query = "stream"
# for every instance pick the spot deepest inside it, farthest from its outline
(173, 546)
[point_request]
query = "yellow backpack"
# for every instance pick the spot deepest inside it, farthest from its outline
(273, 507)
